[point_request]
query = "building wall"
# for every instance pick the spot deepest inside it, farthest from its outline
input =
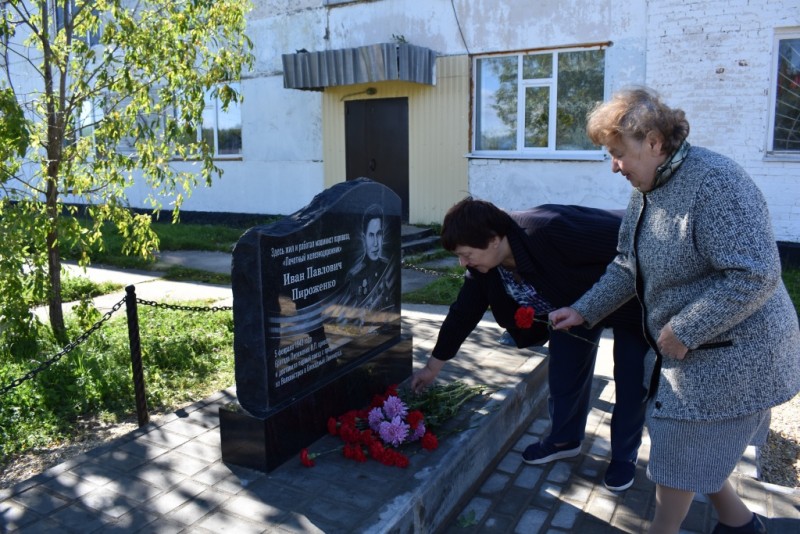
(281, 168)
(521, 183)
(483, 26)
(438, 123)
(714, 59)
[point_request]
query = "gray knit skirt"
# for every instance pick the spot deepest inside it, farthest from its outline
(699, 456)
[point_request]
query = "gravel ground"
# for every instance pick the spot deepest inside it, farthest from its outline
(779, 458)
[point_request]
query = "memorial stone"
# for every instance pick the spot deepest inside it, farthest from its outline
(316, 310)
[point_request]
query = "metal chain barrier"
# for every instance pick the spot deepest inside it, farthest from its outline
(183, 308)
(63, 352)
(434, 272)
(142, 412)
(83, 337)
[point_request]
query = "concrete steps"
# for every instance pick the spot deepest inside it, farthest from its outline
(416, 239)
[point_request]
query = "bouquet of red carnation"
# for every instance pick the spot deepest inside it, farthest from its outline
(379, 431)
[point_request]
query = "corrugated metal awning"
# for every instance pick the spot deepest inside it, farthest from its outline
(348, 66)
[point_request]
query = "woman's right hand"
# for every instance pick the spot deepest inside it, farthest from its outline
(425, 376)
(563, 318)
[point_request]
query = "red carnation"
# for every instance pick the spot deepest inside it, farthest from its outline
(307, 459)
(401, 460)
(349, 433)
(348, 419)
(391, 391)
(376, 450)
(388, 456)
(524, 317)
(414, 419)
(333, 426)
(354, 452)
(429, 441)
(366, 437)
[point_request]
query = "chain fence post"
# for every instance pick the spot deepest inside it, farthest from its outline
(136, 355)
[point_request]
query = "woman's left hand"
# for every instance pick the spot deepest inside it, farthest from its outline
(669, 345)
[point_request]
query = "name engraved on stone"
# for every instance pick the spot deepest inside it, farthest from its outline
(315, 292)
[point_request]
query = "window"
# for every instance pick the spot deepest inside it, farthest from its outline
(535, 105)
(64, 13)
(785, 121)
(222, 128)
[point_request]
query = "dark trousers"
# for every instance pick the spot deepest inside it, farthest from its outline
(571, 369)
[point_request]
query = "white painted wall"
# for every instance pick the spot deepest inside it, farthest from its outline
(519, 184)
(281, 166)
(712, 58)
(486, 26)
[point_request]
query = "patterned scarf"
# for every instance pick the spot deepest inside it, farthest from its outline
(524, 293)
(668, 168)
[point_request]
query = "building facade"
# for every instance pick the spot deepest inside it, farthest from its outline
(497, 112)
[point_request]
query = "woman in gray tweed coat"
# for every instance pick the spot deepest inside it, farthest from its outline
(696, 247)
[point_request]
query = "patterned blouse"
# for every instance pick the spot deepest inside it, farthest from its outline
(524, 293)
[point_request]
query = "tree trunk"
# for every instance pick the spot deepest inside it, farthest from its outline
(54, 300)
(55, 138)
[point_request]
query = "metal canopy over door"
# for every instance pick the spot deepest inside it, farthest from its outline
(376, 143)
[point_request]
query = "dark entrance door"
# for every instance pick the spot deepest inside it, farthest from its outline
(376, 143)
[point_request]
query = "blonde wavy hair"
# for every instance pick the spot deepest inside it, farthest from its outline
(634, 113)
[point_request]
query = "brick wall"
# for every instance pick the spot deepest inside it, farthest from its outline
(714, 59)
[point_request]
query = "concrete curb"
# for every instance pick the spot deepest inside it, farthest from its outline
(471, 453)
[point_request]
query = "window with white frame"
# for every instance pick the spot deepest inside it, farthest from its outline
(222, 128)
(785, 119)
(535, 104)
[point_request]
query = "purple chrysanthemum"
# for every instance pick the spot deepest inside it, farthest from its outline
(394, 407)
(394, 432)
(418, 432)
(375, 418)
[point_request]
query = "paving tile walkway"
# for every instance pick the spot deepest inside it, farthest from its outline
(169, 476)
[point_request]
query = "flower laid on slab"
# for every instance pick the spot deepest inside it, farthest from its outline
(390, 424)
(524, 316)
(306, 458)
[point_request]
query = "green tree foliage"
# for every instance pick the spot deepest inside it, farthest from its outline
(112, 91)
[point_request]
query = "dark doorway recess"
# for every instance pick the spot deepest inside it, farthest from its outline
(376, 143)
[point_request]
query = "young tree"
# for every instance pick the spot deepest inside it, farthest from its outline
(114, 93)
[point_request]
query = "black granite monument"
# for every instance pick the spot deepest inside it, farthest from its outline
(316, 311)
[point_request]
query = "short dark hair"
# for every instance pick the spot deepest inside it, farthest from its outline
(374, 211)
(473, 223)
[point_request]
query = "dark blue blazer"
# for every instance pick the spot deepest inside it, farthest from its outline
(562, 251)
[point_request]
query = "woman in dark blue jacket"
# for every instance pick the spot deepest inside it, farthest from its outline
(545, 258)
